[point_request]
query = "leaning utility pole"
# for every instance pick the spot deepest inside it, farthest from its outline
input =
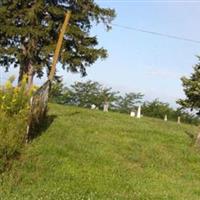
(59, 45)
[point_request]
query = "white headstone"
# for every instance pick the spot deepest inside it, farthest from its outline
(93, 106)
(165, 119)
(179, 120)
(132, 114)
(139, 112)
(105, 107)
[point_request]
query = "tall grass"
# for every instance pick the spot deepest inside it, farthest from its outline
(87, 154)
(14, 108)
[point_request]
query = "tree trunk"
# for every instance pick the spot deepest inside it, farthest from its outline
(26, 70)
(30, 77)
(21, 74)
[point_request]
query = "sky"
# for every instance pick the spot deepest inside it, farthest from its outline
(141, 62)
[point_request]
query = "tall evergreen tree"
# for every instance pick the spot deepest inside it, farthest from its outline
(191, 87)
(29, 32)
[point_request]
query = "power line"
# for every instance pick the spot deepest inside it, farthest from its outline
(157, 33)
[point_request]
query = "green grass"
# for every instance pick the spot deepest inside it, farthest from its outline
(88, 154)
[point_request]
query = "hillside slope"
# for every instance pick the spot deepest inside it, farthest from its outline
(86, 154)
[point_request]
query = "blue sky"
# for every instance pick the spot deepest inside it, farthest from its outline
(140, 62)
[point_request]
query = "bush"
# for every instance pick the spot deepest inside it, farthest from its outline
(14, 108)
(159, 109)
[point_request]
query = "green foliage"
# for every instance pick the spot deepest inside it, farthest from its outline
(188, 117)
(191, 87)
(94, 155)
(29, 33)
(14, 108)
(13, 100)
(58, 93)
(127, 103)
(83, 94)
(12, 136)
(159, 109)
(86, 94)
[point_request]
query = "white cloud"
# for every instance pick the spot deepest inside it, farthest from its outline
(162, 73)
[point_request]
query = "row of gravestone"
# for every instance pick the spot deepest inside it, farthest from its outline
(138, 115)
(178, 119)
(133, 113)
(105, 107)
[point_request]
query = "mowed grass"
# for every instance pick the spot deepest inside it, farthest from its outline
(86, 154)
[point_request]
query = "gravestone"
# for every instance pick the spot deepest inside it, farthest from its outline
(179, 120)
(165, 118)
(93, 106)
(139, 112)
(105, 107)
(132, 114)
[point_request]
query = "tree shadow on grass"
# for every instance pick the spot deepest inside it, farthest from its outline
(74, 113)
(71, 114)
(42, 126)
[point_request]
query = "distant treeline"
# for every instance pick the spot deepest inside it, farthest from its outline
(85, 94)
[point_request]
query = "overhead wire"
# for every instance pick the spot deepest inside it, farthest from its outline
(156, 33)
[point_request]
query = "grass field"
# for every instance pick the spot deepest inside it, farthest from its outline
(85, 155)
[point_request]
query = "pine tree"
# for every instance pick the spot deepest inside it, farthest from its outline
(191, 87)
(29, 32)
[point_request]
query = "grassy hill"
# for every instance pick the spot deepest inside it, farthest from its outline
(85, 154)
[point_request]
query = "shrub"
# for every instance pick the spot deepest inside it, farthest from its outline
(13, 99)
(14, 108)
